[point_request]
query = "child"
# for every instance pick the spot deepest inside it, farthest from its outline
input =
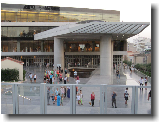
(78, 98)
(81, 96)
(62, 99)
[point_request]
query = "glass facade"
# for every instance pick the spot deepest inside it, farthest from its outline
(22, 31)
(35, 13)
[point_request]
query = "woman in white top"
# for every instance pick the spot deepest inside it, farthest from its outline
(62, 90)
(53, 80)
(35, 77)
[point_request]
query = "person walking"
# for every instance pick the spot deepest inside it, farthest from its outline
(56, 92)
(44, 78)
(145, 80)
(149, 95)
(35, 77)
(48, 96)
(58, 99)
(51, 76)
(65, 79)
(117, 73)
(30, 76)
(126, 95)
(53, 79)
(114, 99)
(68, 92)
(81, 96)
(62, 99)
(141, 82)
(62, 90)
(92, 98)
(78, 98)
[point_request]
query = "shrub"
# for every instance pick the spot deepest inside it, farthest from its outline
(9, 74)
(24, 74)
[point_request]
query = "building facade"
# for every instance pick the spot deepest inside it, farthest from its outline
(37, 35)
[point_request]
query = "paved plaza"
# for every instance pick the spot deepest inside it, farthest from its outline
(33, 106)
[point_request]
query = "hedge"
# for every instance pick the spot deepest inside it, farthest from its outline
(9, 74)
(24, 74)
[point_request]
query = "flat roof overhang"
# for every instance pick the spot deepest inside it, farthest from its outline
(94, 30)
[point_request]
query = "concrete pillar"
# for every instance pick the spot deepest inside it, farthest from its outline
(112, 55)
(18, 46)
(105, 55)
(58, 52)
(42, 46)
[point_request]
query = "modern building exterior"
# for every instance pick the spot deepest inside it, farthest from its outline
(61, 35)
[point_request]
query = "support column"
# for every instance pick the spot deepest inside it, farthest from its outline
(42, 46)
(58, 52)
(105, 55)
(18, 46)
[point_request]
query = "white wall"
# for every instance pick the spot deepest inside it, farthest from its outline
(13, 65)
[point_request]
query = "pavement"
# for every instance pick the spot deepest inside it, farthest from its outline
(32, 106)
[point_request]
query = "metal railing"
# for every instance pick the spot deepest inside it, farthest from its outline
(18, 90)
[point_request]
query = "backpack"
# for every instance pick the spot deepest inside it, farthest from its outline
(126, 94)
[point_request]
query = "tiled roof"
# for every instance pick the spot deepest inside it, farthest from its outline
(14, 60)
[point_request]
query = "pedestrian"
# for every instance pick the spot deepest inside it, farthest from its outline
(78, 98)
(92, 98)
(68, 92)
(44, 78)
(58, 99)
(53, 98)
(55, 72)
(51, 76)
(61, 70)
(76, 90)
(35, 77)
(65, 92)
(62, 90)
(145, 80)
(48, 96)
(114, 99)
(126, 95)
(149, 95)
(62, 99)
(141, 82)
(75, 74)
(53, 79)
(30, 76)
(132, 69)
(81, 96)
(65, 71)
(117, 73)
(60, 77)
(56, 92)
(65, 79)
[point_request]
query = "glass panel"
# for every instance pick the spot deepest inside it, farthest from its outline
(6, 99)
(29, 99)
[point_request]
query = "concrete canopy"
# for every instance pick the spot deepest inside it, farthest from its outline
(94, 30)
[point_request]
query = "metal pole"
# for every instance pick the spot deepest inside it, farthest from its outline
(14, 100)
(136, 99)
(133, 101)
(105, 90)
(74, 98)
(71, 99)
(101, 100)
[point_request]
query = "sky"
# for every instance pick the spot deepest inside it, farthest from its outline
(130, 11)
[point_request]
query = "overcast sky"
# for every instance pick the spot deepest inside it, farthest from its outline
(130, 11)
